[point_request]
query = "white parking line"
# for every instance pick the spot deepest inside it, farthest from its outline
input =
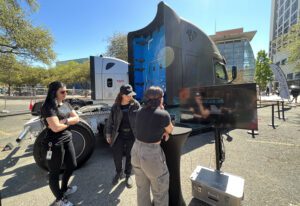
(276, 143)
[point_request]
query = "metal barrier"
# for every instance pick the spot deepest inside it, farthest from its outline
(19, 100)
(272, 123)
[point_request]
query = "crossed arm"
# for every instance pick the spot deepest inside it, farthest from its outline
(57, 125)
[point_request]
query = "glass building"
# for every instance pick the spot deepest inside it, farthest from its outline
(284, 14)
(235, 46)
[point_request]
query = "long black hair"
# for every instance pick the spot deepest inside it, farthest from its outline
(51, 95)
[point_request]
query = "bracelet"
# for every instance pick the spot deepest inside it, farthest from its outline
(67, 122)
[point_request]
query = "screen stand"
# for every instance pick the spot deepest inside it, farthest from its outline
(220, 154)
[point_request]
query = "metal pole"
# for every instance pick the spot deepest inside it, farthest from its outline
(282, 107)
(273, 115)
(253, 132)
(272, 124)
(217, 148)
(5, 110)
(278, 110)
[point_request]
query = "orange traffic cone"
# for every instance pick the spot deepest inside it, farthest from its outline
(30, 105)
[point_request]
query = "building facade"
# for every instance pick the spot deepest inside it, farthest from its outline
(284, 14)
(235, 46)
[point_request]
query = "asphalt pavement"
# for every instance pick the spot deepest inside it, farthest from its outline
(269, 163)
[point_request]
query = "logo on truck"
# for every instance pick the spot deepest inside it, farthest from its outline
(191, 34)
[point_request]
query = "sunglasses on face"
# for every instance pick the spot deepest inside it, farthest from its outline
(63, 92)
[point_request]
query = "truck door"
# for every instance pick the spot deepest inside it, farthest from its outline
(111, 85)
(114, 75)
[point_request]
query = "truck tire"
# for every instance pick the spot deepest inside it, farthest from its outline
(83, 140)
(76, 106)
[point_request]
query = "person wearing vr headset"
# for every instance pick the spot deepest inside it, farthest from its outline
(120, 131)
(153, 124)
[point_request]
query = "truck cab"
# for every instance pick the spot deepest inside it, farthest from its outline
(108, 74)
(173, 53)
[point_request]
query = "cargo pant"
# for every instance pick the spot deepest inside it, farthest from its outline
(149, 165)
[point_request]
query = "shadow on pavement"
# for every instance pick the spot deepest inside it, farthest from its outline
(194, 142)
(94, 180)
(23, 179)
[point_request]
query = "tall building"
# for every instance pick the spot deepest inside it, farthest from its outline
(235, 46)
(284, 14)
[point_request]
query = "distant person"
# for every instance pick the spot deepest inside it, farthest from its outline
(295, 94)
(58, 115)
(120, 129)
(267, 91)
(153, 124)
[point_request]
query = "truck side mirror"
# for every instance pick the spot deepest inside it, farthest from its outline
(234, 72)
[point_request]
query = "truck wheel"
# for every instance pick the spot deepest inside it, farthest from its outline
(76, 106)
(83, 140)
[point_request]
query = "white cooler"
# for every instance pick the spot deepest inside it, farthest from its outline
(217, 188)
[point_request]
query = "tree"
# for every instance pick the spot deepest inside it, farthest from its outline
(81, 74)
(10, 71)
(263, 73)
(18, 36)
(69, 73)
(117, 46)
(32, 76)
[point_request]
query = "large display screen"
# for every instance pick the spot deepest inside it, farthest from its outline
(225, 106)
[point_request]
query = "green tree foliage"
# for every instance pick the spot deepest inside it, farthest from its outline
(69, 73)
(117, 46)
(82, 74)
(18, 36)
(10, 71)
(263, 73)
(14, 73)
(31, 76)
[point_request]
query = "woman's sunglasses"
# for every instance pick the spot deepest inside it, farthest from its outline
(63, 92)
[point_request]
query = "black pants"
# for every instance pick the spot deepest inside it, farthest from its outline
(61, 154)
(121, 147)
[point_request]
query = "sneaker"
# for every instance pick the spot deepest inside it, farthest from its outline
(63, 202)
(116, 179)
(129, 182)
(71, 190)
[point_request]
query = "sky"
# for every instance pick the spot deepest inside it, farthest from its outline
(81, 27)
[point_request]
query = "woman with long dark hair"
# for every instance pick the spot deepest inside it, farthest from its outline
(120, 131)
(153, 124)
(58, 115)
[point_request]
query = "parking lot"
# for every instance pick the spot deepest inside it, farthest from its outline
(269, 163)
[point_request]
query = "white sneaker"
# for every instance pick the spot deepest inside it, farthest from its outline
(63, 202)
(71, 190)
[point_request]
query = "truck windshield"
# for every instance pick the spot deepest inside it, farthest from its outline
(220, 71)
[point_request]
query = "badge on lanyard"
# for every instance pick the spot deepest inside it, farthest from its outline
(49, 152)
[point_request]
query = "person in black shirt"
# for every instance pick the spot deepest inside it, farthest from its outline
(58, 115)
(153, 124)
(120, 131)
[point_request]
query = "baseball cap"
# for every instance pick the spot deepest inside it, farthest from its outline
(127, 90)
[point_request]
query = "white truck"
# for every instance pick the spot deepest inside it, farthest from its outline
(170, 52)
(108, 75)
